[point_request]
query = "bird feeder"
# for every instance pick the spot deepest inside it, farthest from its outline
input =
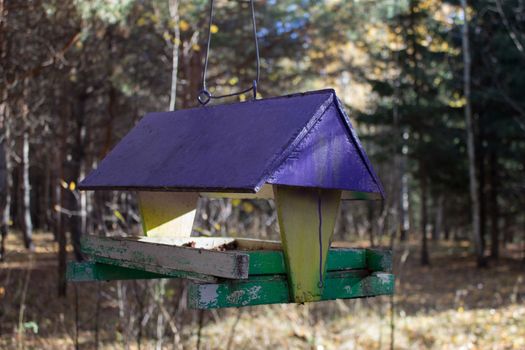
(299, 150)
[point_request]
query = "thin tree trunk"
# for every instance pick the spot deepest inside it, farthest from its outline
(74, 169)
(174, 13)
(425, 260)
(475, 207)
(45, 201)
(481, 189)
(438, 227)
(27, 223)
(494, 212)
(401, 160)
(5, 139)
(60, 226)
(6, 182)
(371, 233)
(447, 231)
(405, 204)
(26, 193)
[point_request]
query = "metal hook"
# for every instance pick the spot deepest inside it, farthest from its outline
(204, 97)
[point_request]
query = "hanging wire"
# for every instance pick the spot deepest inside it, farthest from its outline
(205, 95)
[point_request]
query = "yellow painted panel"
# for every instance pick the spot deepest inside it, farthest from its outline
(297, 210)
(167, 214)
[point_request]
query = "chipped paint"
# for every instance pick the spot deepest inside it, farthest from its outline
(236, 296)
(159, 257)
(253, 292)
(384, 278)
(260, 290)
(208, 296)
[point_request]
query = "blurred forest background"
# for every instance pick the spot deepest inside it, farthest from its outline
(435, 88)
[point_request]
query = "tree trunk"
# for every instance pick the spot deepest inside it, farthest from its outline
(60, 226)
(73, 174)
(438, 227)
(370, 214)
(174, 13)
(494, 212)
(405, 205)
(5, 179)
(5, 138)
(425, 260)
(475, 206)
(481, 189)
(447, 232)
(27, 227)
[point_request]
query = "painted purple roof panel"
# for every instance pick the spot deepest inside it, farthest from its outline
(326, 157)
(238, 147)
(223, 148)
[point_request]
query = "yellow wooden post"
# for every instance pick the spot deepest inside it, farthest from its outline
(167, 214)
(298, 213)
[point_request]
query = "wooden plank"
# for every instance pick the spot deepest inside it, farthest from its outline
(379, 260)
(261, 290)
(88, 271)
(257, 244)
(165, 272)
(167, 214)
(297, 211)
(261, 263)
(346, 259)
(213, 242)
(266, 262)
(193, 242)
(272, 262)
(167, 257)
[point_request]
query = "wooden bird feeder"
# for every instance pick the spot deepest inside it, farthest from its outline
(299, 150)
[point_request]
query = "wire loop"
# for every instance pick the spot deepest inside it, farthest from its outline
(205, 96)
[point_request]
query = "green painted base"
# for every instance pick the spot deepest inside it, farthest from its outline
(90, 271)
(259, 290)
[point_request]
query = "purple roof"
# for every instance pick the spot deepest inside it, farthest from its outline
(298, 140)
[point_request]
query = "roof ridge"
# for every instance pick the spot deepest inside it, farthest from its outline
(288, 149)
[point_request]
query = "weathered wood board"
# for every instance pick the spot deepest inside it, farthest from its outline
(88, 271)
(159, 258)
(379, 259)
(260, 263)
(264, 257)
(274, 289)
(155, 269)
(273, 263)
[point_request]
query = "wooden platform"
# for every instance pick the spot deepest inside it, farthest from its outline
(229, 272)
(273, 289)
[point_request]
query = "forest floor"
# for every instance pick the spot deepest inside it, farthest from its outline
(448, 305)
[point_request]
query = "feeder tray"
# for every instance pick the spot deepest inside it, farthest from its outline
(299, 150)
(240, 272)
